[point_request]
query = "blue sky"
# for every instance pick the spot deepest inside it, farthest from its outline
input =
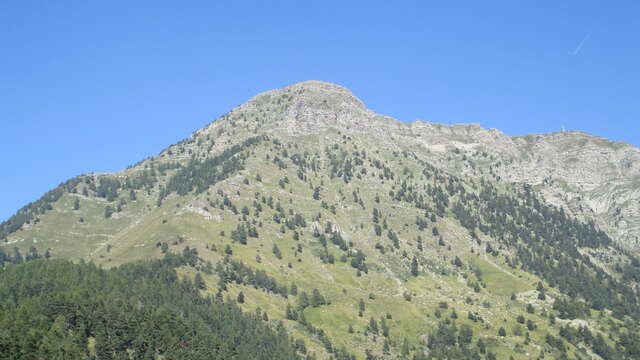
(91, 86)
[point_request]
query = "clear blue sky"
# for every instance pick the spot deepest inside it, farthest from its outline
(89, 86)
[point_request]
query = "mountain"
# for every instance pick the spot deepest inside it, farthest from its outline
(369, 237)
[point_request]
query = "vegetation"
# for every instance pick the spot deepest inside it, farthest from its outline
(353, 250)
(59, 310)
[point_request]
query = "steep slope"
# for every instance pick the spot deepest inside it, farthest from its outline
(369, 235)
(591, 176)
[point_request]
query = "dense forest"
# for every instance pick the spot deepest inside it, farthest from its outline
(54, 309)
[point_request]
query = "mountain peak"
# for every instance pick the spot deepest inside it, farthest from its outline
(318, 84)
(307, 105)
(326, 93)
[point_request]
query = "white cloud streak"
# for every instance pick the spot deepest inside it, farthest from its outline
(579, 47)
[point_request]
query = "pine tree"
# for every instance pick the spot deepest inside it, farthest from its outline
(373, 325)
(541, 295)
(466, 335)
(457, 262)
(414, 266)
(199, 282)
(17, 256)
(289, 313)
(385, 347)
(435, 231)
(302, 319)
(276, 251)
(316, 298)
(530, 325)
(303, 301)
(405, 348)
(384, 328)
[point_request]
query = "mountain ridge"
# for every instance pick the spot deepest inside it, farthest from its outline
(313, 106)
(325, 105)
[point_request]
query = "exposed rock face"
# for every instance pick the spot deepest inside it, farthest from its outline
(591, 177)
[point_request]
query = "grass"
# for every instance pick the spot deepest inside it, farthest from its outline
(498, 280)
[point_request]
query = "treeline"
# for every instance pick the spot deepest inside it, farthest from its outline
(199, 175)
(16, 257)
(30, 212)
(297, 314)
(537, 237)
(547, 243)
(450, 341)
(59, 310)
(545, 239)
(232, 271)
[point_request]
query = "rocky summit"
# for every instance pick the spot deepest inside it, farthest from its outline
(590, 177)
(346, 234)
